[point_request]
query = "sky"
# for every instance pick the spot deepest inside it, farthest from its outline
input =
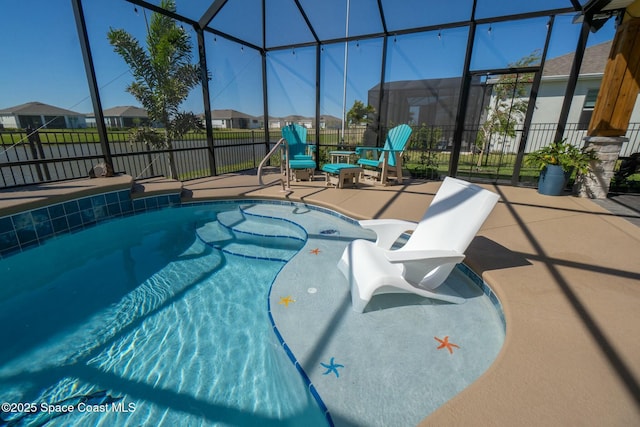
(42, 60)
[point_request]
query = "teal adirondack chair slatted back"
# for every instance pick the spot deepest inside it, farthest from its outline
(296, 137)
(397, 139)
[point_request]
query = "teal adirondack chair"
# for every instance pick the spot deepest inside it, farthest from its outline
(301, 163)
(380, 163)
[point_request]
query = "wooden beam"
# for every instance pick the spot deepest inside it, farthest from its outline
(620, 84)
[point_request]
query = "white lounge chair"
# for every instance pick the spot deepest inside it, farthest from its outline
(437, 244)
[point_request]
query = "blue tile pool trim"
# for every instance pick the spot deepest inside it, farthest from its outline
(27, 229)
(294, 360)
(480, 283)
(274, 202)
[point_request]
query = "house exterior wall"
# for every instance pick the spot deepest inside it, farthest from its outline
(8, 122)
(118, 122)
(549, 102)
(113, 122)
(551, 97)
(76, 122)
(235, 123)
(49, 122)
(547, 112)
(218, 123)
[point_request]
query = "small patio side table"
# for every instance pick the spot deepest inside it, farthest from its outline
(341, 156)
(342, 175)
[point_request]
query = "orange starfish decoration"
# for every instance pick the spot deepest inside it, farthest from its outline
(286, 301)
(315, 251)
(446, 344)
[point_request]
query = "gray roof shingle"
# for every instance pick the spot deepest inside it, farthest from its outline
(38, 109)
(125, 111)
(594, 61)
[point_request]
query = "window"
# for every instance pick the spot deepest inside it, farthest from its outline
(590, 99)
(587, 108)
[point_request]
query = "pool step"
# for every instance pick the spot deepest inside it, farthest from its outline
(247, 250)
(253, 236)
(249, 222)
(214, 232)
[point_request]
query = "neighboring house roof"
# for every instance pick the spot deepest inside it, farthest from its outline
(125, 111)
(38, 109)
(593, 62)
(328, 117)
(297, 118)
(294, 118)
(230, 114)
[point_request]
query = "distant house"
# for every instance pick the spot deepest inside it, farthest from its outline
(276, 123)
(326, 121)
(298, 120)
(121, 117)
(38, 115)
(330, 122)
(551, 94)
(232, 119)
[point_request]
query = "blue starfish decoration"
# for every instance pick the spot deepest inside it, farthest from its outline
(332, 367)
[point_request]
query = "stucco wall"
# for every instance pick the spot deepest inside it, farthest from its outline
(551, 95)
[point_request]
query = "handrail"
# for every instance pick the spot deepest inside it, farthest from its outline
(282, 141)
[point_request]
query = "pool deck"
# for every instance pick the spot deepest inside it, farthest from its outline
(566, 269)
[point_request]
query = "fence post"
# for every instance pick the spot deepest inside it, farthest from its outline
(45, 167)
(34, 153)
(150, 160)
(38, 153)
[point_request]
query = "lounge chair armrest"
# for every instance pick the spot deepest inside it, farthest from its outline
(388, 230)
(426, 254)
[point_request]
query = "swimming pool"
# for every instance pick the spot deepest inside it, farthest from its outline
(168, 317)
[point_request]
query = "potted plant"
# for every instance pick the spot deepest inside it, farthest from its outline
(557, 161)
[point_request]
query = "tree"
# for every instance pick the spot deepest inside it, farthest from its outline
(360, 114)
(509, 105)
(163, 77)
(425, 140)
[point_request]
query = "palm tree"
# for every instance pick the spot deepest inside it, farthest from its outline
(163, 77)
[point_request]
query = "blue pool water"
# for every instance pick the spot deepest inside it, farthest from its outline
(164, 314)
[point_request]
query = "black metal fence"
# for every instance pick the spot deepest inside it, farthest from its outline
(48, 155)
(429, 152)
(44, 156)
